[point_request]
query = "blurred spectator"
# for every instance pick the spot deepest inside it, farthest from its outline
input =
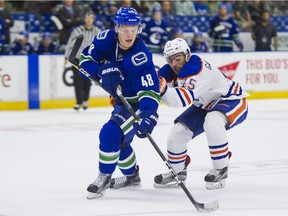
(21, 44)
(99, 24)
(46, 46)
(140, 6)
(280, 8)
(256, 8)
(82, 85)
(155, 31)
(40, 6)
(185, 8)
(224, 30)
(177, 33)
(101, 7)
(126, 4)
(106, 10)
(198, 45)
(212, 7)
(2, 37)
(229, 7)
(70, 16)
(108, 19)
(168, 16)
(201, 7)
(151, 5)
(264, 32)
(8, 22)
(242, 15)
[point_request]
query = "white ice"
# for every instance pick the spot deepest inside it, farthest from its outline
(49, 157)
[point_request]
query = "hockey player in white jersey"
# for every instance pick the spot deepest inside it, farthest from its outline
(216, 104)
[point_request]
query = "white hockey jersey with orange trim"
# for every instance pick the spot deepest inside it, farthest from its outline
(203, 85)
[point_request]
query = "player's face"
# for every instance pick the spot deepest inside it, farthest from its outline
(177, 62)
(127, 35)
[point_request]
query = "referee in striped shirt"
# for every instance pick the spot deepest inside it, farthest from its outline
(82, 85)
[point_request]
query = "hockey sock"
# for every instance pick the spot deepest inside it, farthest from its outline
(109, 148)
(177, 146)
(216, 134)
(127, 160)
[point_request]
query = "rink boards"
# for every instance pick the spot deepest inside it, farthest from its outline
(41, 82)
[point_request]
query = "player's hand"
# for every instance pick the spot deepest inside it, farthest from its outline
(219, 30)
(149, 120)
(240, 46)
(111, 77)
(162, 85)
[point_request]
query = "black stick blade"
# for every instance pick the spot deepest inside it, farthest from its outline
(207, 207)
(75, 48)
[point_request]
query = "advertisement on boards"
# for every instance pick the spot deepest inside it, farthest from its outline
(13, 78)
(56, 82)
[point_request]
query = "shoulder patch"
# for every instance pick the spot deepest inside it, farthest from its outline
(139, 59)
(102, 35)
(91, 48)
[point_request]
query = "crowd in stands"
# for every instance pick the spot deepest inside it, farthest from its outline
(159, 23)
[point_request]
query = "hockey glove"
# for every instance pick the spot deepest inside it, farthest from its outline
(240, 46)
(162, 85)
(111, 77)
(219, 30)
(147, 124)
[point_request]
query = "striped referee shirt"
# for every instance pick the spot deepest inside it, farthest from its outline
(89, 35)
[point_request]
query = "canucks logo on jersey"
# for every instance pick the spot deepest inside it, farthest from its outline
(139, 59)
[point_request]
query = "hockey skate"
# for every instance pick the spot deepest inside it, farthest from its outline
(98, 188)
(167, 180)
(76, 107)
(216, 178)
(129, 181)
(85, 105)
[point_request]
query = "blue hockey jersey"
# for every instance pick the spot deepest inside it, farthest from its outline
(202, 47)
(140, 84)
(2, 36)
(155, 34)
(224, 32)
(18, 49)
(51, 49)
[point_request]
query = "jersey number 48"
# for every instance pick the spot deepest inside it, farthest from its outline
(147, 80)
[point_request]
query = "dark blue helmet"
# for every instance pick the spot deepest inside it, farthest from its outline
(127, 16)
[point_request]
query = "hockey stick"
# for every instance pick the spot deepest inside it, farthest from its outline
(201, 207)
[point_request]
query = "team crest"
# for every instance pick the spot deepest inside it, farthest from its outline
(139, 59)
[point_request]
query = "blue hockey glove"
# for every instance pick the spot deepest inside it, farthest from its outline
(240, 46)
(111, 77)
(147, 124)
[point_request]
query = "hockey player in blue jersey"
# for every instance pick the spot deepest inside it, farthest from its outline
(224, 32)
(129, 65)
(155, 31)
(216, 104)
(21, 45)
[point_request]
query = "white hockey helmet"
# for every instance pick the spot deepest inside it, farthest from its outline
(174, 46)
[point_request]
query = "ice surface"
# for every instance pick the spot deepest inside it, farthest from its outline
(49, 157)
